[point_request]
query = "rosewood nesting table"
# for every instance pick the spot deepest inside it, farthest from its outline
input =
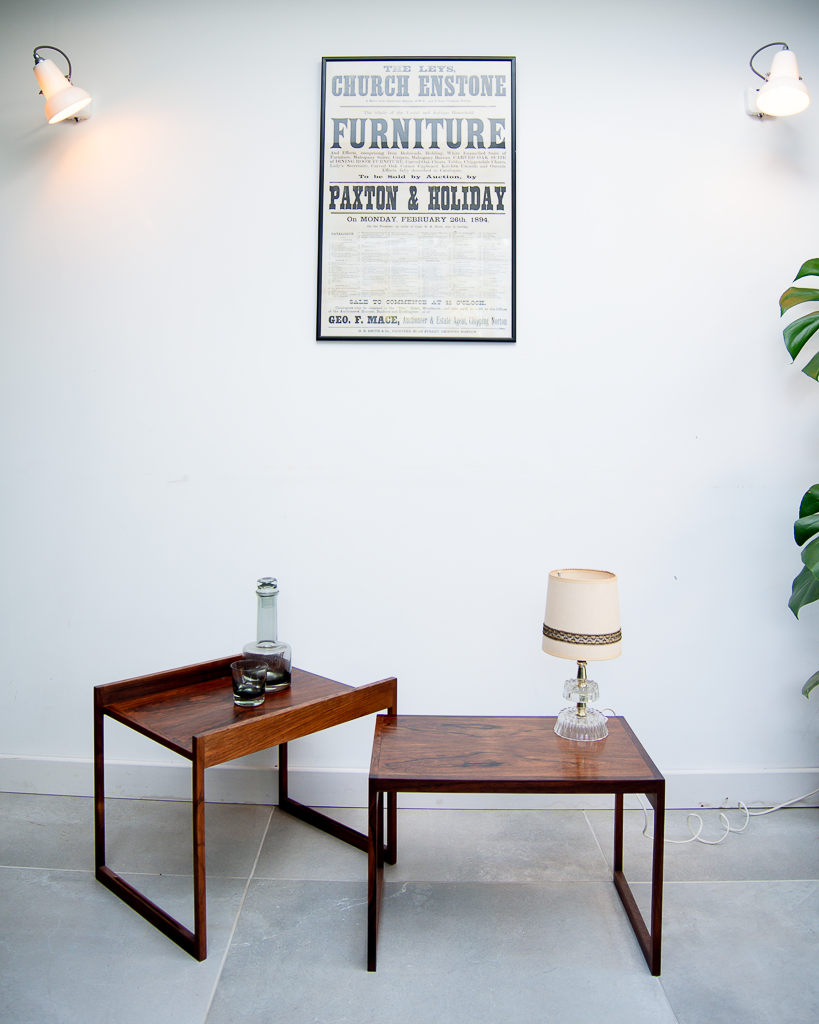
(191, 711)
(419, 754)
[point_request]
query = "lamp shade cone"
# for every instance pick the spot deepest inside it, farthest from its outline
(62, 98)
(784, 93)
(582, 619)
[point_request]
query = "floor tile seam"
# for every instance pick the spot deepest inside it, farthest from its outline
(727, 881)
(236, 917)
(577, 881)
(596, 840)
(443, 881)
(667, 998)
(439, 881)
(121, 872)
(34, 867)
(209, 876)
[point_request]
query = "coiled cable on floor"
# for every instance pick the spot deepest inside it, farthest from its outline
(696, 836)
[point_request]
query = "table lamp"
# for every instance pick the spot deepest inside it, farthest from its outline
(582, 623)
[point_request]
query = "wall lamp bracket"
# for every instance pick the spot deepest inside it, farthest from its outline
(783, 93)
(64, 100)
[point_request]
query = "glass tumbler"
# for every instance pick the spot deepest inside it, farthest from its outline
(249, 677)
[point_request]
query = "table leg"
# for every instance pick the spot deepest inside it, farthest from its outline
(658, 803)
(618, 831)
(200, 949)
(99, 783)
(111, 880)
(649, 940)
(329, 825)
(391, 849)
(375, 873)
(283, 797)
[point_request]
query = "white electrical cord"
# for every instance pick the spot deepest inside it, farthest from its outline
(723, 819)
(695, 836)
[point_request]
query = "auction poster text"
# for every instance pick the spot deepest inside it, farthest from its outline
(417, 207)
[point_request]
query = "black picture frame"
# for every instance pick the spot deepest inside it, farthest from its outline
(417, 203)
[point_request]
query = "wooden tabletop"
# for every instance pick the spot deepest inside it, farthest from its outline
(176, 714)
(421, 753)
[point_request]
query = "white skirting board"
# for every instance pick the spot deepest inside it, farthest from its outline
(347, 787)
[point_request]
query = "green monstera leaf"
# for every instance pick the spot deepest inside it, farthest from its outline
(809, 685)
(805, 589)
(793, 296)
(808, 269)
(796, 334)
(809, 505)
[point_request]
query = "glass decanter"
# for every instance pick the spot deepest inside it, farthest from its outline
(267, 645)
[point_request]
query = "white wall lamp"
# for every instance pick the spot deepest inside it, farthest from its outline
(783, 93)
(63, 100)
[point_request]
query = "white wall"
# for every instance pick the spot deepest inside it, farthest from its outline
(172, 430)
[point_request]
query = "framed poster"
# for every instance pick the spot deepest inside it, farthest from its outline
(417, 199)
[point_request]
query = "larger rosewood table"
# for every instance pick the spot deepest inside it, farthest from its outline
(417, 754)
(191, 711)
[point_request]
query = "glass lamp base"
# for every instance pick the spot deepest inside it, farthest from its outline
(584, 728)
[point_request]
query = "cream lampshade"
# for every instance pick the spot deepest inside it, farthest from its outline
(582, 623)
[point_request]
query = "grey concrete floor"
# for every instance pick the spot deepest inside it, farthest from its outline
(489, 916)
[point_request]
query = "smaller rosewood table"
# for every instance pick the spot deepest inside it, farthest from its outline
(419, 754)
(191, 711)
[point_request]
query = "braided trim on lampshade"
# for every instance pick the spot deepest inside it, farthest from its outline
(592, 639)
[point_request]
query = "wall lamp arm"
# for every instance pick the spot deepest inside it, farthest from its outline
(765, 47)
(38, 58)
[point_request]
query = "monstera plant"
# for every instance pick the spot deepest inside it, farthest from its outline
(806, 585)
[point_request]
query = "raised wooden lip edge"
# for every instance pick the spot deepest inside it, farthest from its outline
(112, 708)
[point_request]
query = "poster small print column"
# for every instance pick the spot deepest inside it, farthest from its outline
(417, 199)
